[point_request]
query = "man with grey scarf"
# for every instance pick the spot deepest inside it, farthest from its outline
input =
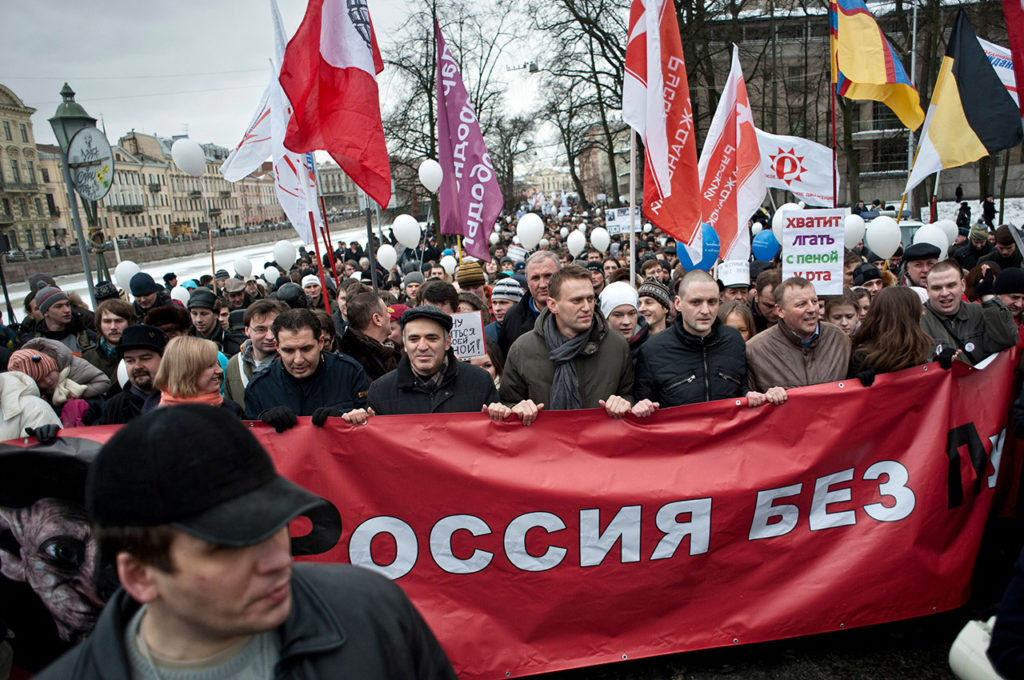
(571, 359)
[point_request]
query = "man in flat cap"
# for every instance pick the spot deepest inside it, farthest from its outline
(188, 507)
(429, 378)
(917, 260)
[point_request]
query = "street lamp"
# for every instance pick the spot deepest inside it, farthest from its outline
(68, 120)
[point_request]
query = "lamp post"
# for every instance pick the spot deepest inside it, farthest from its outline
(69, 119)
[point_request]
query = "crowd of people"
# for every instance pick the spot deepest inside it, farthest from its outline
(562, 332)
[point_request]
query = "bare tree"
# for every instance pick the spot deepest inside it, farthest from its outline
(509, 143)
(565, 108)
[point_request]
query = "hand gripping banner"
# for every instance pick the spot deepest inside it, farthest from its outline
(584, 540)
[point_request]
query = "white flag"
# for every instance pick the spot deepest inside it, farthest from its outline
(255, 146)
(293, 176)
(798, 165)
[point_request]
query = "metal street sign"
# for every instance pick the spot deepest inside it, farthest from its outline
(91, 163)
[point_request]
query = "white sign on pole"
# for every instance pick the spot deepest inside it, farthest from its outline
(468, 334)
(616, 220)
(812, 248)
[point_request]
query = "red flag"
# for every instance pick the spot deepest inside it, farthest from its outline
(732, 182)
(1013, 10)
(329, 76)
(656, 103)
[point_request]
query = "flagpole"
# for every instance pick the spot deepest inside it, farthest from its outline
(835, 154)
(632, 212)
(909, 174)
(369, 246)
(935, 194)
(323, 213)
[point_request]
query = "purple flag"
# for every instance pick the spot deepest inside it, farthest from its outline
(469, 197)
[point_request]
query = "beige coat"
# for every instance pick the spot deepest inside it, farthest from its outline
(776, 358)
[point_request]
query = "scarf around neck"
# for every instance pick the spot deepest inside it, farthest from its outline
(565, 384)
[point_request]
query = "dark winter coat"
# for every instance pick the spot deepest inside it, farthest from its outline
(376, 358)
(518, 321)
(676, 367)
(338, 381)
(345, 622)
(967, 256)
(979, 329)
(465, 388)
(163, 297)
(127, 405)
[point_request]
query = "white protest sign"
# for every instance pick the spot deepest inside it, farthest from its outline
(616, 220)
(734, 273)
(516, 253)
(812, 248)
(468, 334)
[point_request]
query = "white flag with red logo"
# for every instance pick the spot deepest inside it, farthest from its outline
(732, 183)
(264, 138)
(329, 75)
(800, 166)
(656, 103)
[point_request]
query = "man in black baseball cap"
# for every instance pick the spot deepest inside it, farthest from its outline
(189, 508)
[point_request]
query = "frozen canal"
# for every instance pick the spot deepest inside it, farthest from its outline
(192, 266)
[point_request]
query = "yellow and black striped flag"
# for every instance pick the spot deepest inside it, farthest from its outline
(971, 114)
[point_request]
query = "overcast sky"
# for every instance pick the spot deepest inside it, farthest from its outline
(158, 66)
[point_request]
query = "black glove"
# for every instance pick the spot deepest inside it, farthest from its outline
(986, 285)
(945, 357)
(280, 418)
(321, 415)
(866, 377)
(44, 434)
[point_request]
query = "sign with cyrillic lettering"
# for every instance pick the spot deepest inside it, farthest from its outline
(812, 248)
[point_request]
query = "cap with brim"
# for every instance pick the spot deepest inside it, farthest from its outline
(197, 469)
(234, 286)
(252, 517)
(921, 251)
(427, 312)
(141, 336)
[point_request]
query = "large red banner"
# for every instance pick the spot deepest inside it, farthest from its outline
(583, 540)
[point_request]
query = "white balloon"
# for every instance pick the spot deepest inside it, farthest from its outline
(189, 156)
(530, 229)
(600, 239)
(284, 254)
(407, 230)
(516, 241)
(777, 219)
(950, 229)
(544, 243)
(495, 239)
(564, 231)
(576, 242)
(181, 294)
(853, 230)
(508, 219)
(933, 234)
(648, 228)
(431, 175)
(243, 266)
(582, 229)
(449, 262)
(271, 274)
(124, 273)
(122, 373)
(386, 256)
(756, 229)
(882, 236)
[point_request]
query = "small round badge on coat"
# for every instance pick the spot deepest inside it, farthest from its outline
(969, 347)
